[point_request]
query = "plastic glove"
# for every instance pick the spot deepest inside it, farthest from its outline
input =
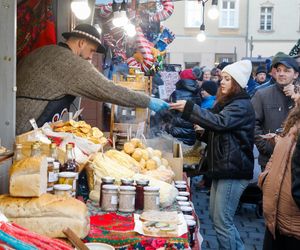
(156, 104)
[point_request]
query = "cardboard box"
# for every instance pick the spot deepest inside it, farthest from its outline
(175, 160)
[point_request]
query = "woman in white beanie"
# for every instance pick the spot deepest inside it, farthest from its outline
(229, 133)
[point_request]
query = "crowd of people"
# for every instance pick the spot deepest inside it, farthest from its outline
(250, 107)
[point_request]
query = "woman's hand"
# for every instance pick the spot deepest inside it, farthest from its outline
(179, 105)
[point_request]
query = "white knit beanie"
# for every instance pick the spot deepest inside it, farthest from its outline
(240, 71)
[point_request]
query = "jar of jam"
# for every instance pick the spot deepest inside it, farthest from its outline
(188, 217)
(63, 189)
(181, 187)
(184, 194)
(50, 174)
(184, 203)
(139, 195)
(180, 183)
(151, 198)
(181, 198)
(109, 198)
(126, 199)
(186, 210)
(68, 178)
(191, 231)
(127, 182)
(107, 180)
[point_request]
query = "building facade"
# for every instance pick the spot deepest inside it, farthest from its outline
(245, 28)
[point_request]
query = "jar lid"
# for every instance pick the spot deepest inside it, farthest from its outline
(184, 203)
(108, 179)
(191, 223)
(181, 198)
(142, 182)
(180, 182)
(67, 174)
(62, 187)
(188, 217)
(181, 186)
(56, 164)
(127, 188)
(50, 159)
(110, 187)
(183, 193)
(186, 208)
(149, 189)
(127, 181)
(49, 189)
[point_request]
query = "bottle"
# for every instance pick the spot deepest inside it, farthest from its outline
(53, 152)
(18, 155)
(35, 149)
(51, 176)
(70, 164)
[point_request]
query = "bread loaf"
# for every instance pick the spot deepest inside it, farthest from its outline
(48, 215)
(28, 177)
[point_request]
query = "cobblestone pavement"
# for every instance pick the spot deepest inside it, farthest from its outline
(251, 227)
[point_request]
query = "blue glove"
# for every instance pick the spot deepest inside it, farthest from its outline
(156, 104)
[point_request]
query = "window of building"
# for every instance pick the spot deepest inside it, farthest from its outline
(229, 14)
(193, 14)
(190, 65)
(266, 18)
(224, 57)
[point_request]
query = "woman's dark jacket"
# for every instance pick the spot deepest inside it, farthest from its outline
(230, 136)
(186, 89)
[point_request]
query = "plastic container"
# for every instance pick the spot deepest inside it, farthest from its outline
(109, 198)
(127, 199)
(151, 198)
(62, 189)
(68, 178)
(139, 195)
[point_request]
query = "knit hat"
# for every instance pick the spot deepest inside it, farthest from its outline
(261, 69)
(210, 87)
(86, 31)
(240, 71)
(222, 65)
(198, 73)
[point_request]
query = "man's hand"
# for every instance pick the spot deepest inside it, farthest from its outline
(156, 104)
(179, 105)
(289, 90)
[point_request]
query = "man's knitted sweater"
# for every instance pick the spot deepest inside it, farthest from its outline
(52, 72)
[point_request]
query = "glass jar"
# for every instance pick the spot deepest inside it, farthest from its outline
(139, 196)
(186, 210)
(181, 187)
(107, 180)
(68, 178)
(56, 170)
(18, 155)
(126, 199)
(127, 182)
(180, 183)
(151, 198)
(184, 203)
(109, 198)
(191, 231)
(63, 189)
(188, 217)
(184, 194)
(50, 173)
(181, 198)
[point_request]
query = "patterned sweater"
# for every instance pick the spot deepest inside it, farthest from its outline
(52, 71)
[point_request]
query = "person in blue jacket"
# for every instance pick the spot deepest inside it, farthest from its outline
(208, 92)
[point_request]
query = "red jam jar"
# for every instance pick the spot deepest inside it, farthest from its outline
(139, 195)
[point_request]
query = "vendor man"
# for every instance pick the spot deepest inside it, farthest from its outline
(51, 77)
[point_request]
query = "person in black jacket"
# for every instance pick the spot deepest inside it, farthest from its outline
(230, 139)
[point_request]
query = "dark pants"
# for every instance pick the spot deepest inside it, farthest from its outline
(282, 242)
